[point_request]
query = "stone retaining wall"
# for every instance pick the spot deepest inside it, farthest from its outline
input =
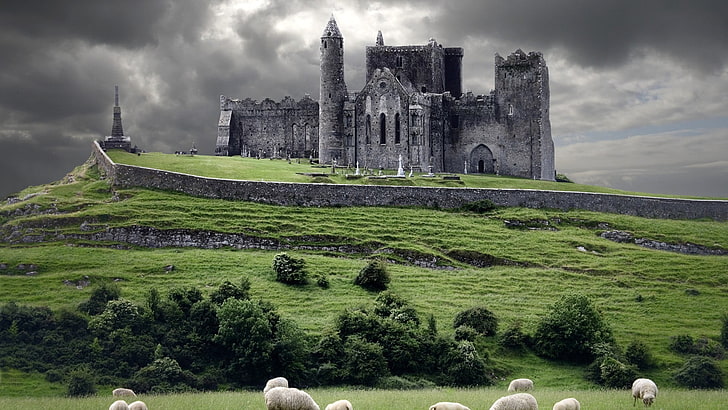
(304, 194)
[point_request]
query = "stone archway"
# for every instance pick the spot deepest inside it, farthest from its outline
(481, 160)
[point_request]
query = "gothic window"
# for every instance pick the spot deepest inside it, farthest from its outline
(368, 130)
(348, 120)
(382, 128)
(397, 129)
(399, 61)
(325, 45)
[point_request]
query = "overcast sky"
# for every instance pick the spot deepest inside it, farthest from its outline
(639, 89)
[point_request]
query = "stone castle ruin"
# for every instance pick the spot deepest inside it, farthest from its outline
(411, 107)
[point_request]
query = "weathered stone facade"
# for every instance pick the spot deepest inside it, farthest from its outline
(412, 106)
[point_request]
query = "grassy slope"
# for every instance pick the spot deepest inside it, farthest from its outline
(617, 277)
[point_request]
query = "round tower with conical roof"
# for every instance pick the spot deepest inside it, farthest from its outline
(333, 94)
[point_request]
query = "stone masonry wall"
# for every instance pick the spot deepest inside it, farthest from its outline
(303, 194)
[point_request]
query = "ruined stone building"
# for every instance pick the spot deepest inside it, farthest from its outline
(412, 106)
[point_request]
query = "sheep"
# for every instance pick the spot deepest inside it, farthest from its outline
(568, 404)
(644, 389)
(138, 405)
(447, 405)
(119, 405)
(518, 401)
(275, 382)
(121, 392)
(340, 405)
(520, 385)
(289, 398)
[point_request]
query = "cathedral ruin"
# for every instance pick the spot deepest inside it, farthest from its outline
(411, 107)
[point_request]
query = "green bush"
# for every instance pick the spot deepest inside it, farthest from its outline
(373, 276)
(700, 372)
(724, 330)
(163, 376)
(682, 344)
(639, 355)
(479, 318)
(365, 362)
(615, 374)
(229, 290)
(572, 330)
(289, 270)
(81, 382)
(513, 337)
(465, 333)
(101, 295)
(466, 368)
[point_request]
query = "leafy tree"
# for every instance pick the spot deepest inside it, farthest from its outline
(479, 318)
(289, 270)
(119, 314)
(365, 362)
(245, 331)
(610, 372)
(229, 290)
(465, 367)
(700, 372)
(388, 305)
(373, 276)
(185, 298)
(571, 330)
(100, 296)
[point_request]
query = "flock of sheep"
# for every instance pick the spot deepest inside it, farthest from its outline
(278, 396)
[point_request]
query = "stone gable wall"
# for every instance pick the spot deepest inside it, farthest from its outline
(303, 194)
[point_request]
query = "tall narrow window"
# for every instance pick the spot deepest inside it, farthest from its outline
(368, 130)
(510, 109)
(382, 128)
(397, 129)
(399, 61)
(325, 45)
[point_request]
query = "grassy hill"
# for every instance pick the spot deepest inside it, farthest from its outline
(437, 258)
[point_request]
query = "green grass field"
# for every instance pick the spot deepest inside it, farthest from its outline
(644, 294)
(475, 399)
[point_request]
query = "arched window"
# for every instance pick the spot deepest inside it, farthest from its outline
(382, 128)
(397, 129)
(399, 61)
(368, 130)
(325, 45)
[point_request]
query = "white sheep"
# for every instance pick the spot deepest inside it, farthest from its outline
(520, 385)
(340, 405)
(289, 398)
(448, 405)
(138, 405)
(518, 401)
(275, 382)
(121, 392)
(644, 389)
(119, 405)
(568, 404)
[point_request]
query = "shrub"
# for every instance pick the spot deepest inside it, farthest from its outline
(365, 362)
(700, 372)
(724, 330)
(708, 347)
(466, 368)
(81, 382)
(289, 270)
(161, 376)
(322, 281)
(102, 294)
(572, 330)
(404, 383)
(615, 374)
(682, 344)
(373, 276)
(478, 318)
(638, 354)
(465, 333)
(513, 337)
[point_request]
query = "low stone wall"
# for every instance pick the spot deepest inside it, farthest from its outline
(304, 194)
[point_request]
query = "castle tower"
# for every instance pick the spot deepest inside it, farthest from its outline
(522, 99)
(333, 95)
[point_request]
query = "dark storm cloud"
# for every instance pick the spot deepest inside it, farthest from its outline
(599, 33)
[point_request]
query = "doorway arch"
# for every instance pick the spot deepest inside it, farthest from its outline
(481, 158)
